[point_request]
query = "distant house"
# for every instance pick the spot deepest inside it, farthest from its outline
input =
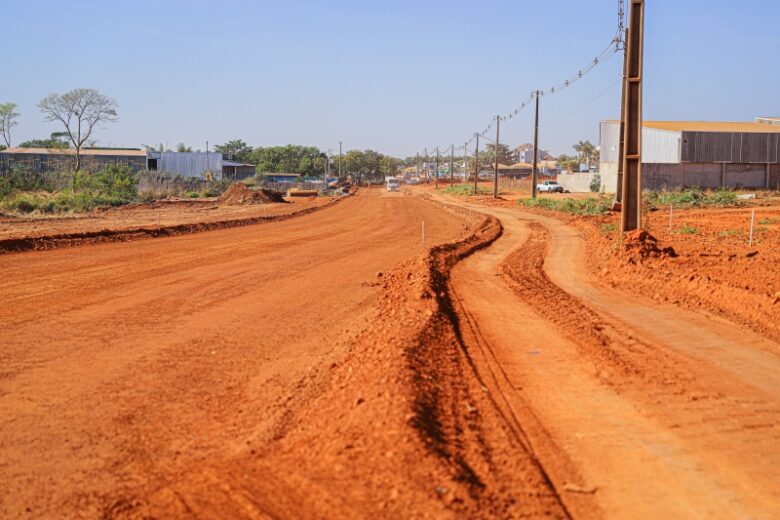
(524, 153)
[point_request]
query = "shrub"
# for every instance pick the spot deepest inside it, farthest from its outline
(589, 206)
(693, 197)
(595, 183)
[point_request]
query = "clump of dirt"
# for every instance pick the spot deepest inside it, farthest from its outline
(641, 245)
(239, 194)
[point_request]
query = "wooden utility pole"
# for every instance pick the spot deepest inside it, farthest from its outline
(495, 167)
(452, 165)
(619, 189)
(436, 173)
(534, 171)
(425, 162)
(339, 159)
(465, 162)
(476, 165)
(631, 216)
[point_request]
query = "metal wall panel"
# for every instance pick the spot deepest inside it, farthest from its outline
(658, 146)
(730, 147)
(190, 164)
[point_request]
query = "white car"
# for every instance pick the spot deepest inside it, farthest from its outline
(393, 185)
(549, 187)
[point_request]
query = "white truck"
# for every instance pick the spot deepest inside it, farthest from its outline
(392, 184)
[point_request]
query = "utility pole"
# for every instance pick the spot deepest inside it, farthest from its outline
(631, 215)
(437, 169)
(452, 164)
(418, 165)
(425, 162)
(476, 165)
(465, 162)
(339, 159)
(495, 170)
(208, 167)
(534, 170)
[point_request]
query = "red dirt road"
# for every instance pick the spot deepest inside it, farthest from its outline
(636, 410)
(125, 365)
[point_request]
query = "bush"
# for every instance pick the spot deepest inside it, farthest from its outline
(595, 183)
(693, 197)
(590, 206)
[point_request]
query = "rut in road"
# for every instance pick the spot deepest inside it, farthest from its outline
(627, 421)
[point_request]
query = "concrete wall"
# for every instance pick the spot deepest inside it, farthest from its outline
(576, 182)
(608, 173)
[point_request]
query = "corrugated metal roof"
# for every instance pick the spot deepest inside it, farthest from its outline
(71, 151)
(708, 126)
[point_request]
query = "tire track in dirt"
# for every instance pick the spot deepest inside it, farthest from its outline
(695, 413)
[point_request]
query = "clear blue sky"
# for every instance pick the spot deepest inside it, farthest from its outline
(394, 76)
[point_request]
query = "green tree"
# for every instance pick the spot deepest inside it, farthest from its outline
(181, 147)
(8, 117)
(307, 161)
(80, 111)
(369, 164)
(55, 140)
(587, 152)
(237, 148)
(504, 154)
(568, 163)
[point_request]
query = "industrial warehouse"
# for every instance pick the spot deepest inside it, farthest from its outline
(199, 165)
(678, 154)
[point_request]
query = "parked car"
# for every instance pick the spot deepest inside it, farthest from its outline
(549, 187)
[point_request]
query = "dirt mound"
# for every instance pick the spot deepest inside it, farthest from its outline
(239, 194)
(641, 244)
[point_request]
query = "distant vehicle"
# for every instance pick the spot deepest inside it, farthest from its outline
(393, 184)
(549, 187)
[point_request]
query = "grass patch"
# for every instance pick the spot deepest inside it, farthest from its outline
(729, 232)
(687, 230)
(59, 202)
(589, 206)
(609, 228)
(768, 221)
(465, 190)
(692, 198)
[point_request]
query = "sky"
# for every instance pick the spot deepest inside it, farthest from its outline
(394, 76)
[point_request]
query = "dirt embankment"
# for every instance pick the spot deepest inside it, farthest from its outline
(46, 234)
(239, 194)
(705, 262)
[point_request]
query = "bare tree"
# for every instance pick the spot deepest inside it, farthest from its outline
(8, 115)
(80, 110)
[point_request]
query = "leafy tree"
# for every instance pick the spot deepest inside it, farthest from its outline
(55, 140)
(182, 148)
(2, 147)
(504, 154)
(308, 161)
(586, 151)
(8, 116)
(80, 111)
(568, 163)
(369, 163)
(237, 148)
